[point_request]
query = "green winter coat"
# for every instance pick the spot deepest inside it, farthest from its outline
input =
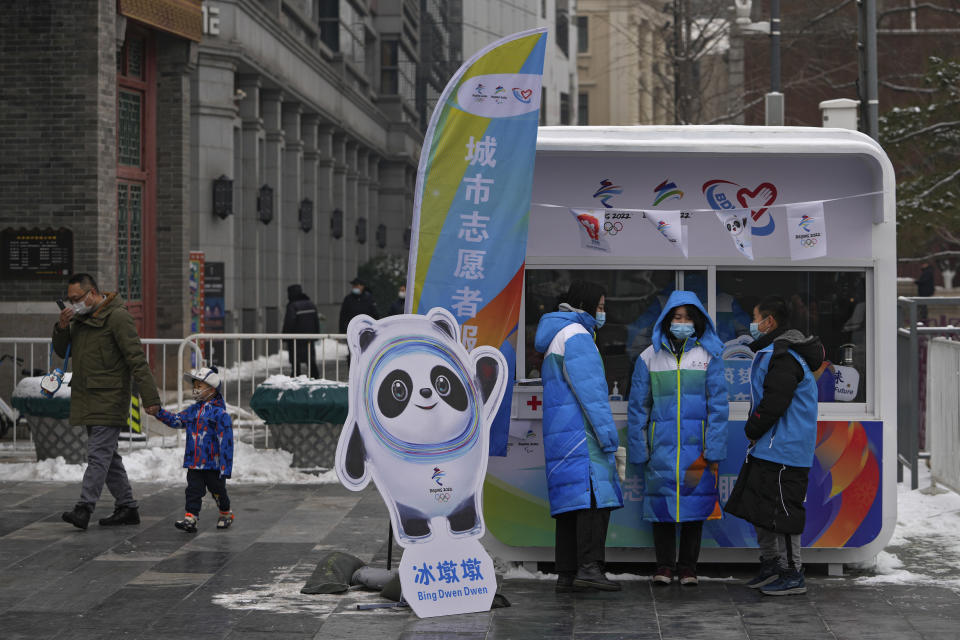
(106, 355)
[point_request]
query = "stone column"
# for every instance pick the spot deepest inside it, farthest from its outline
(393, 199)
(339, 245)
(272, 250)
(214, 112)
(351, 211)
(308, 132)
(250, 237)
(373, 199)
(291, 242)
(329, 291)
(363, 201)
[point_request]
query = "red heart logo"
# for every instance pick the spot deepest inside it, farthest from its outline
(764, 196)
(526, 93)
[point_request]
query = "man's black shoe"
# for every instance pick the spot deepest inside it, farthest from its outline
(121, 515)
(592, 576)
(79, 517)
(565, 582)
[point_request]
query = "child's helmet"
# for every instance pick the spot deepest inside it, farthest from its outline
(210, 375)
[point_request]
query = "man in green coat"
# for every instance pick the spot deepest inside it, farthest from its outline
(107, 358)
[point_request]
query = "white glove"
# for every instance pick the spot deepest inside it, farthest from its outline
(621, 457)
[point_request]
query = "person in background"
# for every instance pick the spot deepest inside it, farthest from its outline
(301, 317)
(782, 430)
(358, 301)
(208, 455)
(107, 359)
(677, 428)
(579, 438)
(925, 285)
(397, 307)
(925, 288)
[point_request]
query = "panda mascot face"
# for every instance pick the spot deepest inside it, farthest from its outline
(419, 420)
(420, 384)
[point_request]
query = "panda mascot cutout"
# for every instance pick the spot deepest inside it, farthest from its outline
(420, 412)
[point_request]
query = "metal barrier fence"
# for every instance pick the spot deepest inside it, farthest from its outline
(32, 357)
(244, 359)
(912, 336)
(943, 411)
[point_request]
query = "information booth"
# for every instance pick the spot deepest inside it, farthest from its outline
(620, 176)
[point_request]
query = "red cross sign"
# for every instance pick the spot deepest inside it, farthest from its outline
(534, 403)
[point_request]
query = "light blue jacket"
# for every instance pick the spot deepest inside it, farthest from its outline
(793, 438)
(579, 436)
(677, 421)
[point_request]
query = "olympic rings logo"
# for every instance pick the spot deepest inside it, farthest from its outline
(612, 228)
(441, 497)
(808, 242)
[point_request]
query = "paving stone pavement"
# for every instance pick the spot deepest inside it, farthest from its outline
(153, 581)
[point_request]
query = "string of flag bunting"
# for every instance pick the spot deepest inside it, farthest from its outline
(806, 220)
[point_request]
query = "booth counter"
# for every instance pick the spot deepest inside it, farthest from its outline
(806, 214)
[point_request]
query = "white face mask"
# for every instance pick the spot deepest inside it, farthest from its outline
(199, 394)
(355, 291)
(81, 308)
(402, 295)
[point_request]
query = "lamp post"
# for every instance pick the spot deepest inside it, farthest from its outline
(773, 101)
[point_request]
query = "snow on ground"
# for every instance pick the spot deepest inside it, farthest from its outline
(280, 593)
(924, 548)
(165, 465)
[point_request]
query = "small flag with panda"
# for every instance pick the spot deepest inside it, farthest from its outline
(737, 224)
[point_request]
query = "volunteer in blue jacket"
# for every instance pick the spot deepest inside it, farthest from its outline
(579, 438)
(782, 430)
(677, 428)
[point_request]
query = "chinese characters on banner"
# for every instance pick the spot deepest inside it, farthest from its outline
(472, 200)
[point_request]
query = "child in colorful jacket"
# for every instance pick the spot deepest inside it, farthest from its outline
(208, 456)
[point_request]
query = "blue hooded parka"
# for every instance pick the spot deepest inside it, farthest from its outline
(579, 436)
(677, 421)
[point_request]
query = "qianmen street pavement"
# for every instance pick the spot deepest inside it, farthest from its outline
(154, 581)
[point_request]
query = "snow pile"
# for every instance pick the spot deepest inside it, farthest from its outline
(280, 593)
(328, 351)
(165, 465)
(286, 382)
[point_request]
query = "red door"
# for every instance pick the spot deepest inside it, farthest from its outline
(136, 178)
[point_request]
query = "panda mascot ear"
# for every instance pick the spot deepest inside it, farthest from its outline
(360, 333)
(491, 370)
(445, 322)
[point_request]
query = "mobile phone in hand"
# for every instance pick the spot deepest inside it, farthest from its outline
(60, 304)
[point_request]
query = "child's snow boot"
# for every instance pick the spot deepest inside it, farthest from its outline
(188, 524)
(225, 520)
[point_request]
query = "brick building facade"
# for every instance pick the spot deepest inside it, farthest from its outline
(65, 113)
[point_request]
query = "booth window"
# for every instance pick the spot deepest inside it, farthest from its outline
(828, 304)
(634, 300)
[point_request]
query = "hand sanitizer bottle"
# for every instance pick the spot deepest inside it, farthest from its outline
(615, 396)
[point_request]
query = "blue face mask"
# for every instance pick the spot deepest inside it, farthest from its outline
(601, 317)
(755, 331)
(681, 330)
